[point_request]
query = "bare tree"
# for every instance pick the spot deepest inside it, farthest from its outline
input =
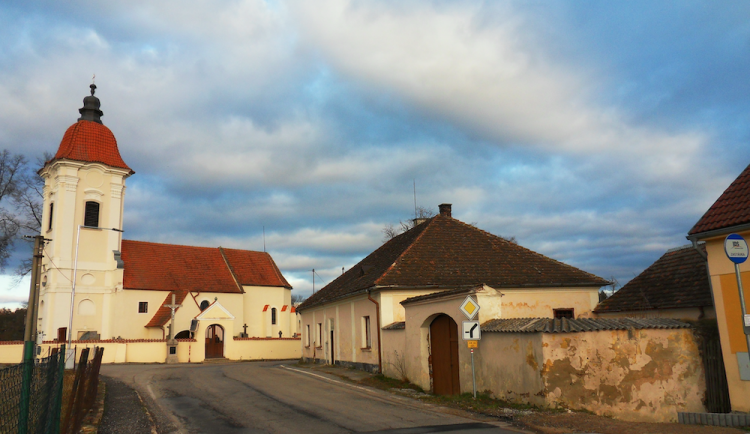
(12, 167)
(297, 298)
(390, 231)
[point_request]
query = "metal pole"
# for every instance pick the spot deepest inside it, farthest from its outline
(742, 303)
(473, 375)
(29, 336)
(70, 358)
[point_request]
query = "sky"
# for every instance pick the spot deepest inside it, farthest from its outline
(596, 133)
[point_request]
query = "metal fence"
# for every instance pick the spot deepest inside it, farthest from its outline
(83, 394)
(43, 399)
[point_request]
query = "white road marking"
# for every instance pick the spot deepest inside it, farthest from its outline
(331, 380)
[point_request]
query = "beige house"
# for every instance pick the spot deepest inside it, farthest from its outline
(122, 286)
(729, 214)
(342, 323)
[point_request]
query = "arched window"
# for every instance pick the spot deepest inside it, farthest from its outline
(204, 305)
(91, 215)
(273, 315)
(86, 308)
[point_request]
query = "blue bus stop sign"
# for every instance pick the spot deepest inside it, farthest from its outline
(736, 248)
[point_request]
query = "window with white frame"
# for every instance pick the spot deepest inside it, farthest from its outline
(366, 334)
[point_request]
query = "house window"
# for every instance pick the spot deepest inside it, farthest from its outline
(366, 335)
(91, 215)
(51, 213)
(273, 315)
(204, 305)
(142, 307)
(307, 336)
(564, 313)
(320, 335)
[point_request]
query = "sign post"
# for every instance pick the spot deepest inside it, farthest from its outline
(471, 333)
(736, 249)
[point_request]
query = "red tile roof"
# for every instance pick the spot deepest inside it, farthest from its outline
(255, 268)
(676, 280)
(730, 209)
(164, 314)
(169, 267)
(90, 142)
(444, 252)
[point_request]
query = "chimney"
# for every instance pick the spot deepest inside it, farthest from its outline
(445, 209)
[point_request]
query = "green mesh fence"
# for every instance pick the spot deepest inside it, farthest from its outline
(44, 397)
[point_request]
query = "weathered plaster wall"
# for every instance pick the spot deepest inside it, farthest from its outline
(632, 375)
(541, 302)
(394, 353)
(509, 365)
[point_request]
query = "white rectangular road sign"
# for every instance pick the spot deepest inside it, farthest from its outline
(471, 331)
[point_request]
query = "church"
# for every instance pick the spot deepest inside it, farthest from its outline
(116, 290)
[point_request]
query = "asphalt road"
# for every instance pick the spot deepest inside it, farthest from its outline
(278, 397)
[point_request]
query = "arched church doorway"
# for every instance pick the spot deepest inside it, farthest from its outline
(444, 351)
(214, 342)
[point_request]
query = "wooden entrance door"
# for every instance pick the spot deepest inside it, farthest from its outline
(444, 350)
(214, 342)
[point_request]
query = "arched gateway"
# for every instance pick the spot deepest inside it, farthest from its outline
(444, 351)
(214, 342)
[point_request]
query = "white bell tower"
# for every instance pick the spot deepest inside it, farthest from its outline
(84, 186)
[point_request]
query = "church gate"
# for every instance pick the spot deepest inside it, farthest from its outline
(214, 342)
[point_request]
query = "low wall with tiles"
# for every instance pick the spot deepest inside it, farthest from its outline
(155, 350)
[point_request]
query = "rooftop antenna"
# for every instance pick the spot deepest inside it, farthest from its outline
(264, 239)
(93, 79)
(415, 198)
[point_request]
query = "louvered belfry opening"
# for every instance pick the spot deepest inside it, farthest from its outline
(91, 215)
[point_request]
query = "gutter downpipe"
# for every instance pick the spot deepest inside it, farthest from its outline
(377, 315)
(708, 272)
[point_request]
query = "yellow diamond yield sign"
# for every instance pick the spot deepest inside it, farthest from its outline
(469, 307)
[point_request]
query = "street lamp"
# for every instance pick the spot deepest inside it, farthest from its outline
(70, 357)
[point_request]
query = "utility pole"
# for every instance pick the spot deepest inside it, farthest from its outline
(313, 272)
(29, 333)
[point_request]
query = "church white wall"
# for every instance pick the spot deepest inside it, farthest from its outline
(259, 322)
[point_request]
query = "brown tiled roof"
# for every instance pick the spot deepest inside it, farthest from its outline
(164, 314)
(441, 294)
(676, 280)
(443, 253)
(730, 209)
(398, 325)
(169, 267)
(565, 325)
(90, 142)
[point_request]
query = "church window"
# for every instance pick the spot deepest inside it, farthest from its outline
(91, 216)
(51, 213)
(142, 307)
(307, 336)
(204, 305)
(273, 316)
(563, 313)
(86, 308)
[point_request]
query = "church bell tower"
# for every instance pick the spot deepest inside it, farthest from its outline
(84, 187)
